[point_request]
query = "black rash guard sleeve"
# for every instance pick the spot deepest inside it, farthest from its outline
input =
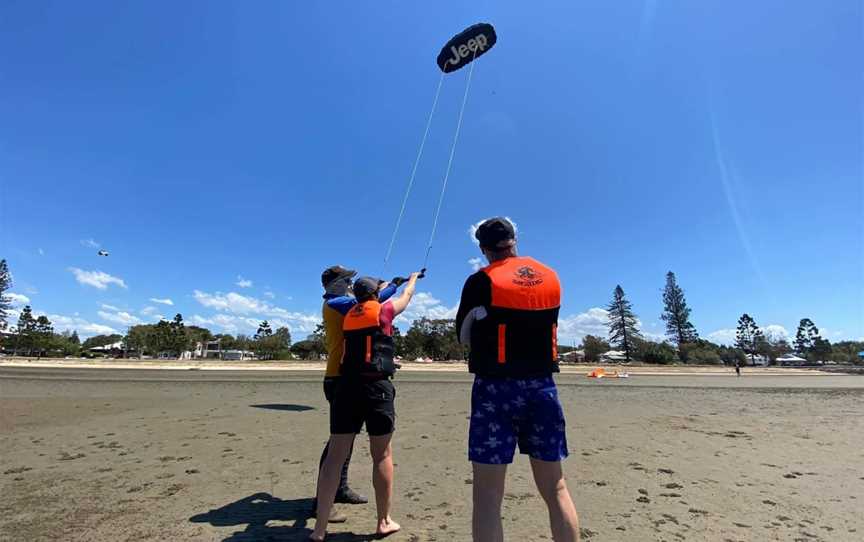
(477, 292)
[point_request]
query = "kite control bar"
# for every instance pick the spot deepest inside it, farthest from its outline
(399, 281)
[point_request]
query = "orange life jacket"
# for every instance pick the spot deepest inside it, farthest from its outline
(519, 336)
(368, 350)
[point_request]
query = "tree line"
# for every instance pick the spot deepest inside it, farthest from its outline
(683, 343)
(436, 339)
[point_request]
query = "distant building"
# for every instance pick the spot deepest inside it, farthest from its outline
(6, 339)
(791, 360)
(204, 350)
(758, 360)
(238, 355)
(573, 356)
(113, 350)
(613, 356)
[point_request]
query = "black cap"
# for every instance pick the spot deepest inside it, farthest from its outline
(496, 233)
(365, 287)
(334, 273)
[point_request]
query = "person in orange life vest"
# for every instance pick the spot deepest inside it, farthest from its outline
(338, 300)
(365, 395)
(508, 314)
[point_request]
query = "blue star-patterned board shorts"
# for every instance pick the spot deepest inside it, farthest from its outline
(506, 412)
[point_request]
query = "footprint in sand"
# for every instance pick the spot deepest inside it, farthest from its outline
(18, 470)
(666, 471)
(64, 456)
(673, 485)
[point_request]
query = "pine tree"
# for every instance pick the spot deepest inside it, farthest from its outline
(806, 337)
(748, 336)
(26, 330)
(263, 342)
(5, 284)
(676, 314)
(178, 340)
(43, 333)
(623, 329)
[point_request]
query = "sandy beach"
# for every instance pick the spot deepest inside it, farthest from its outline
(155, 454)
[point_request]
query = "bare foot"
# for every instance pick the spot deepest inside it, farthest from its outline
(317, 538)
(386, 527)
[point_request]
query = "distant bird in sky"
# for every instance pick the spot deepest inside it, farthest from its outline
(103, 252)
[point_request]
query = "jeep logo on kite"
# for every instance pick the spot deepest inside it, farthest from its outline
(466, 46)
(471, 46)
(527, 277)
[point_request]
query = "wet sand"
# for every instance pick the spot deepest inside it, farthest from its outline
(89, 454)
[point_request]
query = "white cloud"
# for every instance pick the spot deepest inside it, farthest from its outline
(775, 332)
(152, 313)
(423, 304)
(249, 307)
(120, 317)
(472, 229)
(90, 243)
(110, 307)
(575, 327)
(165, 301)
(231, 302)
(82, 326)
(243, 283)
(594, 321)
(269, 295)
(722, 336)
(97, 279)
(475, 263)
(41, 252)
(228, 323)
(18, 300)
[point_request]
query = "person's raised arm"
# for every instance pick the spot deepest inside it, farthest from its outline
(401, 302)
(387, 291)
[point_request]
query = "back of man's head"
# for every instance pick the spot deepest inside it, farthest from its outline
(336, 279)
(497, 236)
(365, 288)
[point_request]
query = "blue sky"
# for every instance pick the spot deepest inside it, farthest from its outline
(225, 153)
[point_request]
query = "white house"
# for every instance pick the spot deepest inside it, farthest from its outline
(238, 355)
(791, 359)
(573, 356)
(614, 356)
(113, 349)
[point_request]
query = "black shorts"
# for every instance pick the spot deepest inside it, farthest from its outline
(363, 401)
(330, 387)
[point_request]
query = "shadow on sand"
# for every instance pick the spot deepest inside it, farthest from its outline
(256, 510)
(286, 407)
